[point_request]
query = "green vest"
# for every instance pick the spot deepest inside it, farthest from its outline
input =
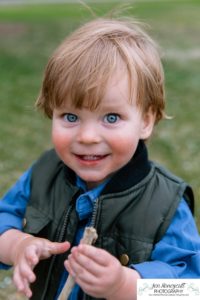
(130, 215)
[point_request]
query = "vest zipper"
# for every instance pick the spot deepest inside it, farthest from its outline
(59, 238)
(93, 223)
(94, 213)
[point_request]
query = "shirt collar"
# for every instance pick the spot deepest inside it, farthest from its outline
(93, 193)
(85, 202)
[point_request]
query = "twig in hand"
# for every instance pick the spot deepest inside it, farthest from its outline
(89, 236)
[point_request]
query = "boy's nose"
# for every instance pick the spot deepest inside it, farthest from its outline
(88, 135)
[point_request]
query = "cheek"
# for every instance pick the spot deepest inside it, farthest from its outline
(59, 139)
(54, 137)
(125, 145)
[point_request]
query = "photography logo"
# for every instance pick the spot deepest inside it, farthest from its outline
(162, 289)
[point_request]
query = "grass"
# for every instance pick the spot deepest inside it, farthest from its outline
(28, 36)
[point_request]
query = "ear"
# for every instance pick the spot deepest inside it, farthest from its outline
(147, 124)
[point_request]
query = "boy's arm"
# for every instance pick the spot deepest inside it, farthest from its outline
(12, 210)
(177, 254)
(14, 202)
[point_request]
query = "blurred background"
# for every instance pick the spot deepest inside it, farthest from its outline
(29, 33)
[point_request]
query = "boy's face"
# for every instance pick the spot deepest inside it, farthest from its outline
(95, 144)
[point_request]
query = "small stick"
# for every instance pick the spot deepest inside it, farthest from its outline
(89, 236)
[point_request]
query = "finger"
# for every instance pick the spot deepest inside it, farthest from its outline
(89, 283)
(69, 268)
(74, 266)
(32, 257)
(58, 248)
(81, 263)
(18, 281)
(86, 280)
(25, 266)
(27, 291)
(25, 272)
(99, 256)
(47, 248)
(81, 275)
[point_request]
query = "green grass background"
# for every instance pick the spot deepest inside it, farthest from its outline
(28, 36)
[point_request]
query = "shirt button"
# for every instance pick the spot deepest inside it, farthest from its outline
(24, 222)
(124, 259)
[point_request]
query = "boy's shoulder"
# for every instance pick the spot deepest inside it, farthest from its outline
(164, 172)
(48, 155)
(50, 158)
(48, 163)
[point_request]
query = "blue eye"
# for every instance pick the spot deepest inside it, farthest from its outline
(111, 118)
(70, 118)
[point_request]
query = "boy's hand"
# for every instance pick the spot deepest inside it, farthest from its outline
(28, 252)
(100, 274)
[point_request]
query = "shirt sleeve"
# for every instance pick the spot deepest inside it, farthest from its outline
(14, 202)
(177, 254)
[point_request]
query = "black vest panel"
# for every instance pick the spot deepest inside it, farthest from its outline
(128, 221)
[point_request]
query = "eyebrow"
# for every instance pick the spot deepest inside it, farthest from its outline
(112, 107)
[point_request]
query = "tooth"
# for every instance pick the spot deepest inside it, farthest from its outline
(90, 157)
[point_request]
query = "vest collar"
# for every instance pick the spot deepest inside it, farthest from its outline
(132, 173)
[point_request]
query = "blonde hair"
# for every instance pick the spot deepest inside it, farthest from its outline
(80, 68)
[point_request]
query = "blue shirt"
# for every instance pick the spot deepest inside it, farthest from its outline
(176, 255)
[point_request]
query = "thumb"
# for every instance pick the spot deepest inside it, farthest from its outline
(58, 248)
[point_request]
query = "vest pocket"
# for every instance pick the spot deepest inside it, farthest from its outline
(34, 220)
(127, 250)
